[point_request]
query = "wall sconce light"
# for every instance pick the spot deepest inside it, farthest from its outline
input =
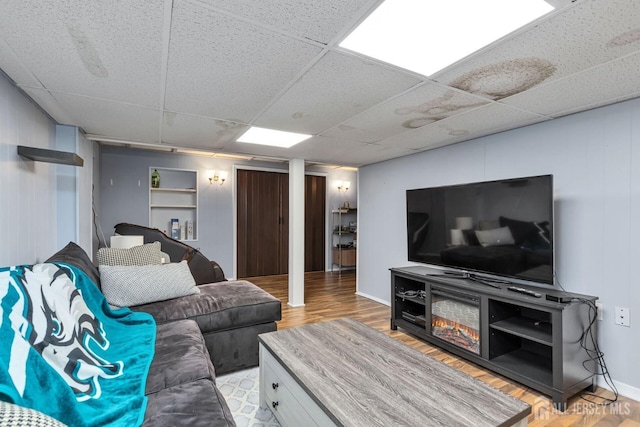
(343, 186)
(217, 176)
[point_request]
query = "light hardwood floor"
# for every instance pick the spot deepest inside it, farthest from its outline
(331, 296)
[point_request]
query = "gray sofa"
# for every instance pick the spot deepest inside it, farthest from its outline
(198, 336)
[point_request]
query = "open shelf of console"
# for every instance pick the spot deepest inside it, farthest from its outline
(530, 340)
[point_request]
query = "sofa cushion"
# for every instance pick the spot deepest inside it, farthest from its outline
(195, 404)
(219, 306)
(146, 254)
(181, 356)
(127, 285)
(74, 255)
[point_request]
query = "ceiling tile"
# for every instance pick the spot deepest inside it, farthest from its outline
(198, 132)
(48, 103)
(315, 20)
(97, 49)
(12, 67)
(585, 34)
(335, 89)
(485, 120)
(612, 82)
(419, 107)
(225, 68)
(112, 119)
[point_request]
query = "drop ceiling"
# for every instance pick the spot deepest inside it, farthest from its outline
(195, 74)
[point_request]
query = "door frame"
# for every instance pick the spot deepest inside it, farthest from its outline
(234, 195)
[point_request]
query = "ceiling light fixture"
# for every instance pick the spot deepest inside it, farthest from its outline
(275, 138)
(427, 36)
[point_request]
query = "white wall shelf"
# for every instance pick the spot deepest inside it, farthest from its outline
(177, 197)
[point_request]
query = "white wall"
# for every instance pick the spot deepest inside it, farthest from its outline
(27, 188)
(122, 200)
(595, 159)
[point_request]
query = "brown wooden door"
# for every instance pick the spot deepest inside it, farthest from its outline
(314, 222)
(263, 223)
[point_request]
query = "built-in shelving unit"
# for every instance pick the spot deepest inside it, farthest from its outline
(175, 198)
(530, 340)
(50, 156)
(344, 235)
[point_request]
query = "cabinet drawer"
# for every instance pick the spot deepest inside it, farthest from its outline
(294, 406)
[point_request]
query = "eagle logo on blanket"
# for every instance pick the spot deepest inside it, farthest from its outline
(52, 317)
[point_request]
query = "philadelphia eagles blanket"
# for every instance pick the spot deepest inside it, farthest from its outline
(64, 352)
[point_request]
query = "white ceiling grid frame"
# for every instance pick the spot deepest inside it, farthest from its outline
(97, 58)
(336, 80)
(234, 68)
(318, 21)
(166, 42)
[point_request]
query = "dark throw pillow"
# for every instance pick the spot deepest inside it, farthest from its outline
(76, 256)
(470, 237)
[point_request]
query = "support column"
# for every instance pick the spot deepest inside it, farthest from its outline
(296, 232)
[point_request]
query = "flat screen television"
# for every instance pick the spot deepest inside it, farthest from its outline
(500, 230)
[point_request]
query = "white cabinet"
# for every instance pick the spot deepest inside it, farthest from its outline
(288, 401)
(175, 199)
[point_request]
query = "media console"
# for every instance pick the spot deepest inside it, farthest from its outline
(527, 338)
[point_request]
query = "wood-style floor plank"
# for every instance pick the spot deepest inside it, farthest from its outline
(330, 296)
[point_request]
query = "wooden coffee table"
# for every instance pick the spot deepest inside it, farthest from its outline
(345, 373)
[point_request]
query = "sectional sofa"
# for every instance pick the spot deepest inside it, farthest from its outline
(211, 331)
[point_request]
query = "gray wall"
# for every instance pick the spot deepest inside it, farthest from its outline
(124, 195)
(595, 160)
(27, 189)
(44, 205)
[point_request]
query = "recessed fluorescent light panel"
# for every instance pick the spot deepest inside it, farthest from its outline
(275, 138)
(426, 36)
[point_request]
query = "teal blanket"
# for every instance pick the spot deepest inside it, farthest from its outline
(64, 352)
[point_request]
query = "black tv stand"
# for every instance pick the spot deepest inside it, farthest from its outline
(529, 339)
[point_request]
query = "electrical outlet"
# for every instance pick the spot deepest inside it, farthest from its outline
(600, 311)
(623, 317)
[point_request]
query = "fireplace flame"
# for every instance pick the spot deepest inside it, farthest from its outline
(456, 333)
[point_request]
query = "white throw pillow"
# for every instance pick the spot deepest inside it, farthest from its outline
(137, 255)
(125, 285)
(496, 237)
(13, 415)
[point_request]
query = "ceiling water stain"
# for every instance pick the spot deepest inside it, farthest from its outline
(87, 52)
(625, 38)
(505, 79)
(298, 115)
(434, 110)
(454, 132)
(347, 128)
(227, 130)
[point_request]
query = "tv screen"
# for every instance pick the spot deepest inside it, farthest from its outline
(496, 228)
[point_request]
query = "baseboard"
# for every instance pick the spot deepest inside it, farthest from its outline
(362, 294)
(625, 390)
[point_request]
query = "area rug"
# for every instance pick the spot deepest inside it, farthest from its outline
(241, 391)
